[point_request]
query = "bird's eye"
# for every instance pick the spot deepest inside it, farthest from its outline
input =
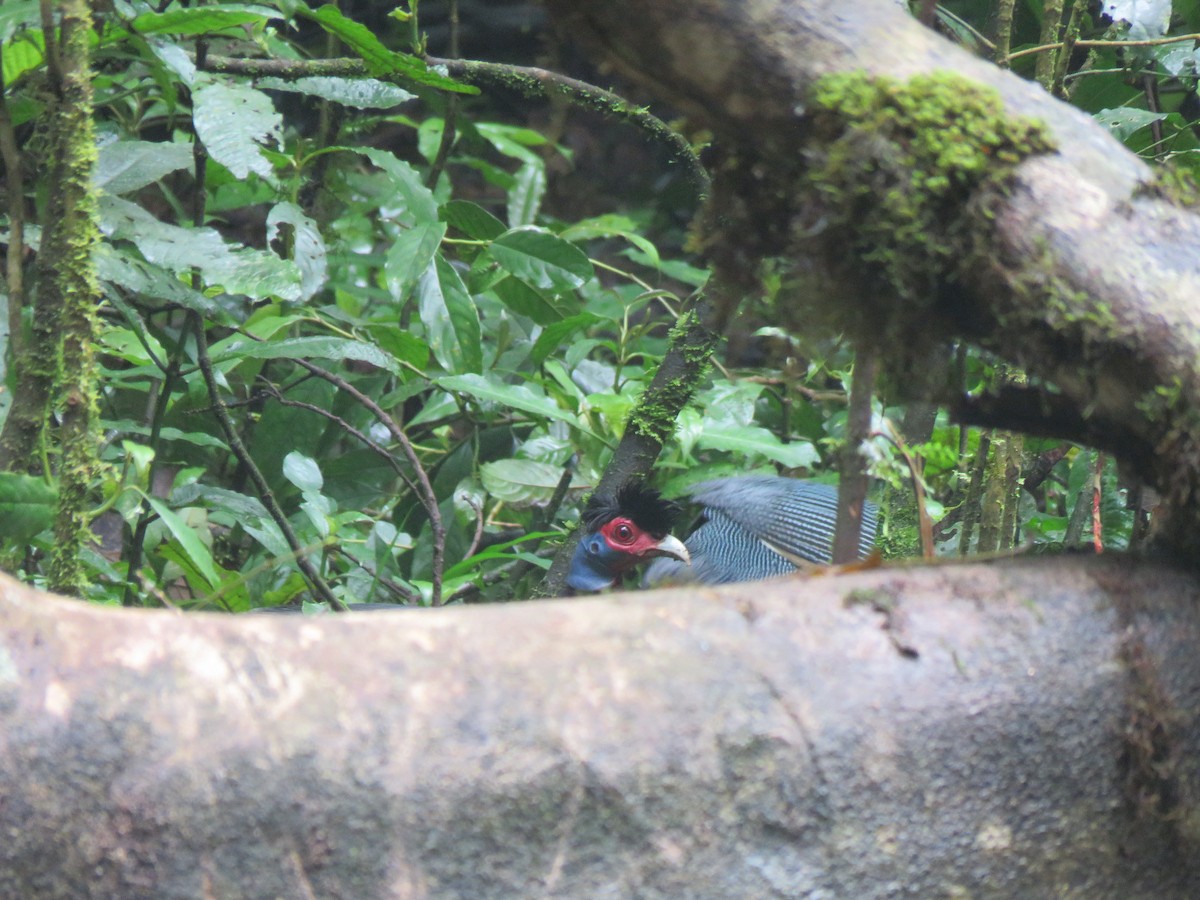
(623, 533)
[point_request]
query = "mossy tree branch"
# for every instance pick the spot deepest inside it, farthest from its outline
(1116, 334)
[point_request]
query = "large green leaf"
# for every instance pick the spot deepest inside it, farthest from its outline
(303, 472)
(239, 270)
(409, 257)
(515, 396)
(525, 482)
(378, 58)
(1126, 121)
(748, 439)
(451, 319)
(236, 122)
(403, 345)
(553, 336)
(124, 166)
(542, 259)
(197, 552)
(360, 93)
(611, 226)
(146, 280)
(471, 219)
(306, 347)
(544, 309)
(15, 15)
(513, 140)
(418, 202)
(27, 506)
(202, 19)
(525, 196)
(308, 247)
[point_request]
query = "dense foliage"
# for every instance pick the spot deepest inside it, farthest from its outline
(348, 351)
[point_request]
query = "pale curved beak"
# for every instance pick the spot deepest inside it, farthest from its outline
(672, 546)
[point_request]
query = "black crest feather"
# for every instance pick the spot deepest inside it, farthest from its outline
(644, 506)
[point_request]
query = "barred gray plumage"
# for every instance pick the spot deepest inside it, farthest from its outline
(760, 526)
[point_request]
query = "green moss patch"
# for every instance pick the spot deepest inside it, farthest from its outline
(896, 167)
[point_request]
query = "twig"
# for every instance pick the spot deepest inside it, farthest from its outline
(1150, 42)
(378, 449)
(311, 575)
(478, 536)
(532, 82)
(450, 119)
(852, 487)
(424, 487)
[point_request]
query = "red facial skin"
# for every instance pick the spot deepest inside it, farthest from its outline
(622, 535)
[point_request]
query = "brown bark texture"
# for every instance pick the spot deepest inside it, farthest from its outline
(972, 730)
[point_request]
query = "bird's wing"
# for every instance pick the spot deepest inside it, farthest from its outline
(795, 518)
(722, 552)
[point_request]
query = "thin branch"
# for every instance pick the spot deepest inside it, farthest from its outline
(852, 487)
(449, 121)
(529, 81)
(1004, 21)
(1051, 28)
(375, 447)
(15, 248)
(311, 575)
(424, 486)
(1150, 42)
(477, 537)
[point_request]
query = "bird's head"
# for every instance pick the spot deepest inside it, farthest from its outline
(620, 532)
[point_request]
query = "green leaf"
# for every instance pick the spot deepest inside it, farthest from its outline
(360, 93)
(542, 259)
(553, 336)
(235, 122)
(512, 140)
(451, 319)
(471, 219)
(239, 509)
(124, 166)
(541, 308)
(146, 280)
(525, 482)
(406, 347)
(525, 196)
(502, 552)
(512, 395)
(746, 439)
(14, 16)
(304, 348)
(188, 540)
(302, 471)
(416, 199)
(308, 247)
(27, 506)
(24, 54)
(409, 257)
(167, 433)
(675, 269)
(239, 270)
(203, 19)
(1124, 122)
(612, 226)
(379, 59)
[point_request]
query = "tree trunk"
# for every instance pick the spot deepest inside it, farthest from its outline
(981, 730)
